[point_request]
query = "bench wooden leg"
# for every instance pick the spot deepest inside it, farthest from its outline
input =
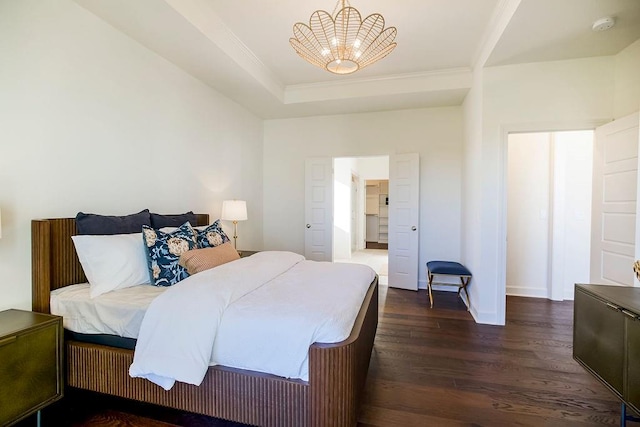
(465, 282)
(429, 288)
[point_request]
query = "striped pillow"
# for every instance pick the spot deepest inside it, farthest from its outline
(198, 260)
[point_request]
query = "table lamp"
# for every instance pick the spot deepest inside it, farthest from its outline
(234, 210)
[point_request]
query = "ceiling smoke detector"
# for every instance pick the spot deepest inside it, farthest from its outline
(603, 24)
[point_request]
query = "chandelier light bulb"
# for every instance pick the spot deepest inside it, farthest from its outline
(343, 43)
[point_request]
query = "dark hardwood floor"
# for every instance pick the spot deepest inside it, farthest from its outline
(376, 245)
(433, 367)
(438, 368)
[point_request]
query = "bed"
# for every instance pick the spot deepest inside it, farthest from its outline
(330, 397)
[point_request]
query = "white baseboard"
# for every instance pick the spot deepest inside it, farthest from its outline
(519, 291)
(485, 317)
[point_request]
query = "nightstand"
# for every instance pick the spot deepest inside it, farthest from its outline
(244, 254)
(30, 363)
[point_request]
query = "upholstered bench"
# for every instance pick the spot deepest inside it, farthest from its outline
(449, 268)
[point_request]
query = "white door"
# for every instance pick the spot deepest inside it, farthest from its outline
(615, 185)
(318, 237)
(404, 174)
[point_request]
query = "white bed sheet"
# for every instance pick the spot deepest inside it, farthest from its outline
(311, 302)
(114, 313)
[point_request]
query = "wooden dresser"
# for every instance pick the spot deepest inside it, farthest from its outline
(606, 338)
(30, 363)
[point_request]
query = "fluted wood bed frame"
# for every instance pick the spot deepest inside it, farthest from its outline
(331, 397)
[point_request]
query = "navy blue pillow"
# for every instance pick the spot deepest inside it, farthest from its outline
(107, 225)
(159, 221)
(211, 236)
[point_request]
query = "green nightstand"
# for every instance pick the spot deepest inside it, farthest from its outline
(31, 363)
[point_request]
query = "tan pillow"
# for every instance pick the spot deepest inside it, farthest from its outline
(197, 260)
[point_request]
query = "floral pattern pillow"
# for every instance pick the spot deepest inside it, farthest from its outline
(164, 250)
(211, 236)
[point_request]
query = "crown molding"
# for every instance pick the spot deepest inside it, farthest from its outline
(397, 84)
(202, 17)
(502, 15)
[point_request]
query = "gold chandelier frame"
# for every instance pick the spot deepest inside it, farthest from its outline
(342, 42)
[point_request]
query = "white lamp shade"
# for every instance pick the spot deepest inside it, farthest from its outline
(234, 210)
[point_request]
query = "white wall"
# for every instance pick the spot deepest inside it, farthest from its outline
(556, 95)
(376, 167)
(573, 170)
(436, 134)
(528, 219)
(627, 81)
(91, 120)
(471, 225)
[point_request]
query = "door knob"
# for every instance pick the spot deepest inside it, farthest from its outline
(308, 225)
(413, 228)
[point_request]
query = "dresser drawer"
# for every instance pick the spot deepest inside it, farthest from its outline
(599, 339)
(30, 370)
(606, 337)
(633, 367)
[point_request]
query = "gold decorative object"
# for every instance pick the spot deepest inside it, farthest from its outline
(636, 268)
(342, 42)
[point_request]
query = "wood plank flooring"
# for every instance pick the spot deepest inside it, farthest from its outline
(437, 367)
(433, 367)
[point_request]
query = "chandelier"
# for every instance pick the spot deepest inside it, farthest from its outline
(342, 42)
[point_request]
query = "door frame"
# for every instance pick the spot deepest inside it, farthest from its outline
(355, 210)
(360, 231)
(390, 158)
(505, 130)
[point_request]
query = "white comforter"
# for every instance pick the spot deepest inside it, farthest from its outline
(259, 313)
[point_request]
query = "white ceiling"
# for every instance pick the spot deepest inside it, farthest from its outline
(421, 33)
(241, 48)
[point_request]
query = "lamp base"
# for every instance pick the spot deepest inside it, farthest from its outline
(235, 235)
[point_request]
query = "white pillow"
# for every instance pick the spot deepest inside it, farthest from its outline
(112, 262)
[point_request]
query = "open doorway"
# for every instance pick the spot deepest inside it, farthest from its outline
(376, 213)
(548, 213)
(354, 218)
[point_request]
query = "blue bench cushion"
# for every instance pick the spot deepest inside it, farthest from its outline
(448, 267)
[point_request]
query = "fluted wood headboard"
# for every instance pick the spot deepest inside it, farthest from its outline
(54, 262)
